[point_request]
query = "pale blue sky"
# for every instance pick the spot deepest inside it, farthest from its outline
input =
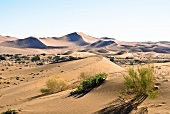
(128, 20)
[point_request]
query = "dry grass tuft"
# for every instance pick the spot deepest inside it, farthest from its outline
(54, 84)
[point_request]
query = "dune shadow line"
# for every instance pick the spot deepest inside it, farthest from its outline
(124, 108)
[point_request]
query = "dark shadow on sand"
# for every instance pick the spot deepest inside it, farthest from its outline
(124, 108)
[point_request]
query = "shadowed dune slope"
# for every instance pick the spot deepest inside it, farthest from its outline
(29, 42)
(74, 37)
(107, 38)
(102, 43)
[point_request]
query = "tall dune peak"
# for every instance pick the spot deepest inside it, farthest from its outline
(74, 38)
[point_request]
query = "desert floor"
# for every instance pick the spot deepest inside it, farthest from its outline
(24, 94)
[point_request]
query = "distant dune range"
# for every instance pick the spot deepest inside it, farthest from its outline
(79, 40)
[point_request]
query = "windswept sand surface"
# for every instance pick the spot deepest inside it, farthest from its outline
(26, 51)
(26, 97)
(18, 96)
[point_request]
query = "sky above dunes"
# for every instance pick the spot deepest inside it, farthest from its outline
(128, 20)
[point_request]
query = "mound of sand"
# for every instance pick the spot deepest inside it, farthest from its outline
(87, 38)
(93, 65)
(102, 43)
(74, 37)
(30, 42)
(7, 38)
(70, 40)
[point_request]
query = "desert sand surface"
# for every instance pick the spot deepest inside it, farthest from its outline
(16, 94)
(20, 83)
(7, 38)
(24, 94)
(26, 51)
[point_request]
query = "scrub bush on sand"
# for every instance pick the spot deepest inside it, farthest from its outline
(141, 81)
(89, 84)
(54, 84)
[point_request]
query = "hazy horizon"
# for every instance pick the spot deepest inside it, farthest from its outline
(121, 19)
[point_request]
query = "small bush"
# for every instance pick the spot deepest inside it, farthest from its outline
(40, 63)
(141, 81)
(35, 58)
(54, 84)
(9, 111)
(90, 83)
(2, 57)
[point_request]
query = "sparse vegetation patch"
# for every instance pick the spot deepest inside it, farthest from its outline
(141, 81)
(10, 111)
(90, 83)
(54, 84)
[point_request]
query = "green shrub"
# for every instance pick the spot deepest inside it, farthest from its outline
(2, 57)
(54, 84)
(141, 81)
(9, 111)
(35, 58)
(56, 59)
(90, 83)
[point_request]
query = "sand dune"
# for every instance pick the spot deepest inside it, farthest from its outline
(74, 37)
(18, 96)
(87, 38)
(102, 43)
(60, 103)
(6, 38)
(70, 40)
(30, 42)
